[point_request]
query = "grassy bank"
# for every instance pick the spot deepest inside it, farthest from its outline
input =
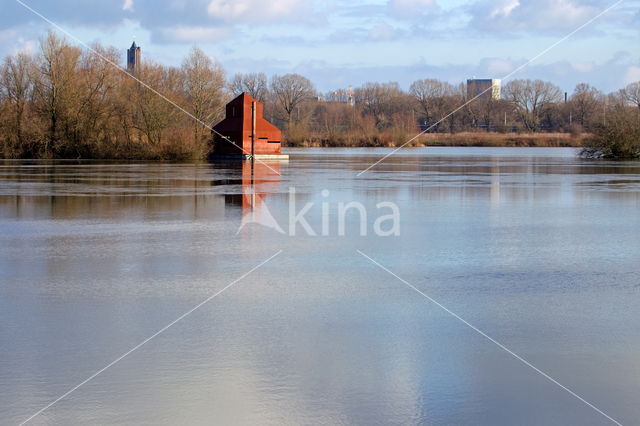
(478, 139)
(506, 139)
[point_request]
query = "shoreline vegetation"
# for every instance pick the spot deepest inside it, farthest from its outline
(61, 102)
(463, 139)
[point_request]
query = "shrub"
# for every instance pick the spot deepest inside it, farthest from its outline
(618, 139)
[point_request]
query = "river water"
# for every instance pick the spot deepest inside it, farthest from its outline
(499, 254)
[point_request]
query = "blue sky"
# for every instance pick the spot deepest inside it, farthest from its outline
(340, 43)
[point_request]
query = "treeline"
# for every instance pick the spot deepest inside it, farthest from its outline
(62, 102)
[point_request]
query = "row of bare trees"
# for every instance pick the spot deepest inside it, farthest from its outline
(62, 102)
(67, 103)
(384, 114)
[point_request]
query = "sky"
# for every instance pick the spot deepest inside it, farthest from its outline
(338, 43)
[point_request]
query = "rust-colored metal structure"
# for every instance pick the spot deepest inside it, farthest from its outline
(251, 136)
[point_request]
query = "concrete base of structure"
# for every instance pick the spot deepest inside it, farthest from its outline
(248, 157)
(271, 156)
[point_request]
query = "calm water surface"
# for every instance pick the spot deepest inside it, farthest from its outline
(538, 249)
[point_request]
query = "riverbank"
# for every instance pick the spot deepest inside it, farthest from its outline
(565, 140)
(182, 149)
(476, 139)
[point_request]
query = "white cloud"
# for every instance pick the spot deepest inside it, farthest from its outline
(128, 5)
(227, 9)
(25, 46)
(253, 10)
(13, 43)
(583, 66)
(6, 35)
(504, 8)
(496, 67)
(411, 5)
(412, 8)
(382, 32)
(183, 34)
(530, 15)
(570, 11)
(632, 75)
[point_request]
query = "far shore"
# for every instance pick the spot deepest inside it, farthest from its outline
(470, 139)
(462, 139)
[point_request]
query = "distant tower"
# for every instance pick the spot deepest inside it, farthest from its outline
(484, 89)
(134, 58)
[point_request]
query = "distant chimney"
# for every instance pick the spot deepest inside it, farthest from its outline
(134, 58)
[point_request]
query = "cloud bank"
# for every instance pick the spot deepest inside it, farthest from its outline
(342, 42)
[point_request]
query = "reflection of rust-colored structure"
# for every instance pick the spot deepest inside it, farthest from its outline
(244, 133)
(258, 181)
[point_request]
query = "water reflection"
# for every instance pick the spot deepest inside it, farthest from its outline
(259, 180)
(32, 190)
(536, 247)
(135, 192)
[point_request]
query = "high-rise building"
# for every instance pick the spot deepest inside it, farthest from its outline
(134, 58)
(485, 89)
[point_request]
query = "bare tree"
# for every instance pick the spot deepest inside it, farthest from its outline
(584, 103)
(54, 86)
(290, 92)
(16, 87)
(382, 101)
(631, 93)
(204, 85)
(255, 84)
(154, 115)
(431, 96)
(334, 118)
(97, 83)
(532, 99)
